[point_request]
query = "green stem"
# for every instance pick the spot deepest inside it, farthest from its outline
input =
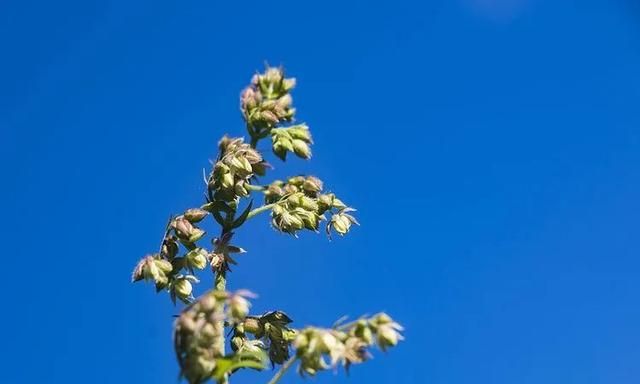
(285, 367)
(220, 285)
(260, 210)
(257, 188)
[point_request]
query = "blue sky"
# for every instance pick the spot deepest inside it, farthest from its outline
(491, 148)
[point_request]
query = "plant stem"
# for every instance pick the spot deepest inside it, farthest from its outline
(258, 188)
(285, 367)
(220, 284)
(260, 210)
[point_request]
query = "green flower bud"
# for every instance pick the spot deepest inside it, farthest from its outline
(197, 258)
(183, 288)
(362, 331)
(284, 102)
(153, 269)
(338, 204)
(240, 189)
(300, 132)
(301, 149)
(325, 202)
(163, 265)
(341, 222)
(195, 215)
(226, 180)
(388, 336)
(196, 235)
(282, 145)
(240, 165)
(298, 181)
(310, 219)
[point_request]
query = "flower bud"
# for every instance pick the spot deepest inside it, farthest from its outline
(249, 100)
(301, 149)
(338, 204)
(240, 165)
(197, 258)
(362, 331)
(310, 219)
(312, 185)
(195, 215)
(183, 288)
(240, 189)
(282, 145)
(268, 117)
(300, 132)
(388, 336)
(274, 192)
(325, 202)
(163, 265)
(226, 180)
(284, 101)
(169, 248)
(185, 230)
(196, 235)
(288, 84)
(298, 181)
(289, 188)
(238, 307)
(341, 222)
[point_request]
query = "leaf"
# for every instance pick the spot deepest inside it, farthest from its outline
(243, 217)
(218, 217)
(247, 359)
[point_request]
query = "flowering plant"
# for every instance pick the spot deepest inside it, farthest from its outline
(297, 204)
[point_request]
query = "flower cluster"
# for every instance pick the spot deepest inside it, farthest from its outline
(295, 139)
(165, 268)
(270, 332)
(320, 349)
(267, 101)
(237, 163)
(300, 204)
(196, 332)
(296, 204)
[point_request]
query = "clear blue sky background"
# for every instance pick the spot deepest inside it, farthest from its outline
(491, 146)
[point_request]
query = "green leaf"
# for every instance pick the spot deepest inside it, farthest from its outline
(243, 217)
(246, 359)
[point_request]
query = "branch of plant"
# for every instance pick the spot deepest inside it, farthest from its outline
(259, 210)
(285, 367)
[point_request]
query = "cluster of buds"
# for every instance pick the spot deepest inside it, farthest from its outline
(196, 332)
(320, 349)
(237, 164)
(267, 101)
(152, 268)
(164, 268)
(271, 332)
(300, 204)
(295, 139)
